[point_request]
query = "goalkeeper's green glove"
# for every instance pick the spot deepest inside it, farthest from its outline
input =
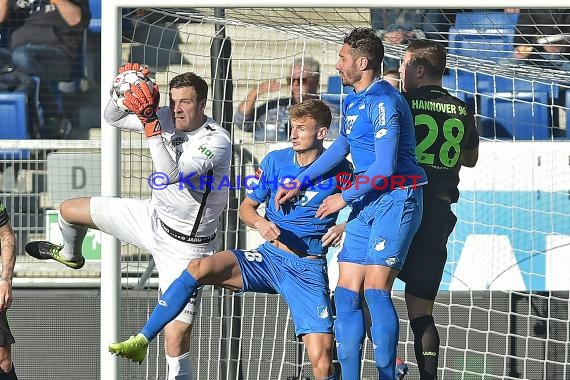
(144, 104)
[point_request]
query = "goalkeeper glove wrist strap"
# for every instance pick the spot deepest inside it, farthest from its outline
(152, 128)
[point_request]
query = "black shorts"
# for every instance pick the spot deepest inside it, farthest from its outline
(6, 337)
(423, 268)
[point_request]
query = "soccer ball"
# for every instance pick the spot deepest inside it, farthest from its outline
(123, 82)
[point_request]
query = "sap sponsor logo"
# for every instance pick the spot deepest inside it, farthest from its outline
(381, 114)
(322, 312)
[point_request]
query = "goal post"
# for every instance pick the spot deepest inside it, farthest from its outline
(503, 307)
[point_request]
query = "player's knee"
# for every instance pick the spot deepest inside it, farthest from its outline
(198, 268)
(66, 210)
(321, 360)
(5, 363)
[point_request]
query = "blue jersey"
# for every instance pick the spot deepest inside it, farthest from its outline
(378, 132)
(300, 229)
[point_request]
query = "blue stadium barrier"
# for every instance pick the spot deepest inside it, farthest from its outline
(13, 113)
(95, 22)
(334, 85)
(488, 44)
(484, 35)
(521, 115)
(335, 99)
(503, 84)
(486, 20)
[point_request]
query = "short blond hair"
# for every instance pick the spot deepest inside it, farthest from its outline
(313, 108)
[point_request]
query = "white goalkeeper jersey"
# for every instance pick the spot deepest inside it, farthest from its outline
(192, 171)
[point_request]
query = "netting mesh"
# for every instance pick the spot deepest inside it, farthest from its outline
(513, 223)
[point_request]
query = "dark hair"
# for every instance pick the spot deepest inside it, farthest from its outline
(313, 108)
(429, 54)
(190, 79)
(367, 43)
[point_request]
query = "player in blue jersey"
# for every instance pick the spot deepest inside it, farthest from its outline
(386, 200)
(291, 262)
(446, 140)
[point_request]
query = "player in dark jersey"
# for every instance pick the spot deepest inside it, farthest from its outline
(8, 245)
(446, 139)
(291, 262)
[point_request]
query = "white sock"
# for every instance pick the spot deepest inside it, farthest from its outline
(72, 239)
(179, 367)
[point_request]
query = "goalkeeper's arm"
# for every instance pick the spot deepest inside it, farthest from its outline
(121, 119)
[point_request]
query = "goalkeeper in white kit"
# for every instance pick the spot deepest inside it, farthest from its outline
(191, 154)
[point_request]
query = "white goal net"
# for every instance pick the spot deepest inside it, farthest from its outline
(502, 312)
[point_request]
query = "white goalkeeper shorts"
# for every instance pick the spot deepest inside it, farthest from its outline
(134, 221)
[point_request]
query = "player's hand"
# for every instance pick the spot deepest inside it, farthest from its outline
(5, 295)
(333, 236)
(144, 69)
(268, 230)
(332, 204)
(144, 104)
(286, 192)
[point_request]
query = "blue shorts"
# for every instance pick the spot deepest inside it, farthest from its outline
(381, 227)
(302, 282)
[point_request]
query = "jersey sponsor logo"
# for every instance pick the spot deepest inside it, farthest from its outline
(381, 133)
(323, 312)
(380, 245)
(381, 114)
(305, 197)
(350, 120)
(178, 140)
(206, 151)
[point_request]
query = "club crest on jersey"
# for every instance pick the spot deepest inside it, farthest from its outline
(258, 173)
(381, 114)
(380, 245)
(322, 312)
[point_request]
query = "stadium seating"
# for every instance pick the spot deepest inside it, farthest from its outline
(334, 85)
(515, 115)
(485, 20)
(483, 35)
(95, 23)
(13, 113)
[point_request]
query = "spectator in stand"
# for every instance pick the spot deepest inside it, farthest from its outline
(270, 121)
(45, 45)
(400, 26)
(543, 37)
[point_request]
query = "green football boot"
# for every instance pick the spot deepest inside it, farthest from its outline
(44, 250)
(135, 348)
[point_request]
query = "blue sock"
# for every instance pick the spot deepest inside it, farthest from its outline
(170, 304)
(384, 330)
(349, 330)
